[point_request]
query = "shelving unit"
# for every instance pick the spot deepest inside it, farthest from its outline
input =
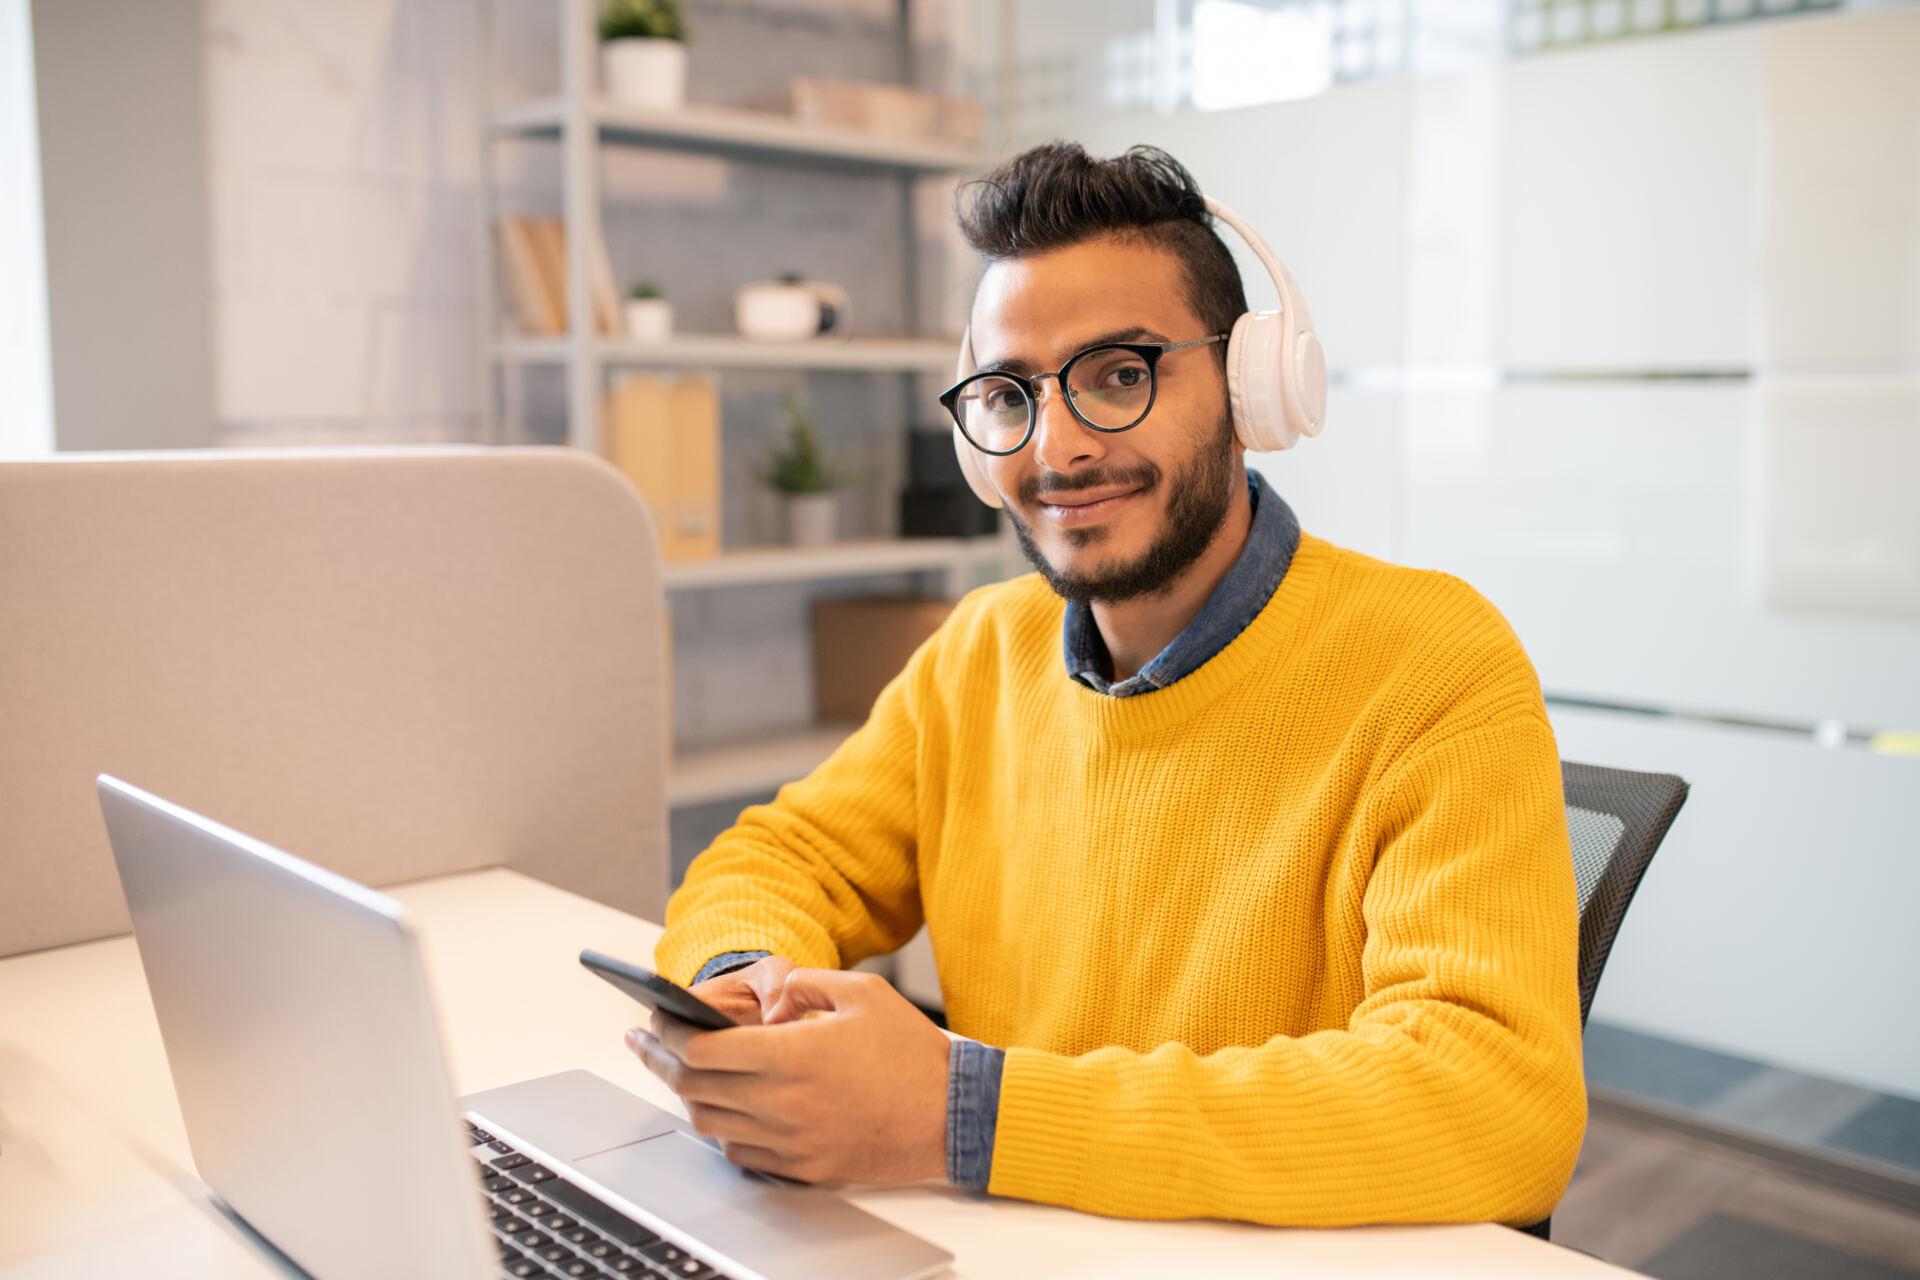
(731, 131)
(581, 122)
(852, 559)
(703, 774)
(726, 351)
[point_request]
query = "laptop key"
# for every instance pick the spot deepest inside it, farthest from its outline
(579, 1267)
(557, 1252)
(515, 1195)
(513, 1161)
(664, 1252)
(498, 1182)
(589, 1210)
(522, 1265)
(540, 1209)
(530, 1172)
(558, 1222)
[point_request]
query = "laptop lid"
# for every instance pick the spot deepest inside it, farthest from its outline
(304, 1048)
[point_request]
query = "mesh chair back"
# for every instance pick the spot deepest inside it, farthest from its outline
(1616, 819)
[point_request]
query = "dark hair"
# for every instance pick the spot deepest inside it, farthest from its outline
(1056, 194)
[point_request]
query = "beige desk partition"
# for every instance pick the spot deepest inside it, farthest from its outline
(395, 663)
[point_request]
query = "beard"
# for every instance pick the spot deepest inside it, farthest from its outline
(1197, 500)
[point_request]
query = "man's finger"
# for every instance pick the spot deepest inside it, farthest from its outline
(736, 1049)
(828, 990)
(738, 1091)
(654, 1056)
(749, 1156)
(723, 1124)
(766, 978)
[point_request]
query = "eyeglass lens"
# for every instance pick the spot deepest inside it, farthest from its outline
(1110, 388)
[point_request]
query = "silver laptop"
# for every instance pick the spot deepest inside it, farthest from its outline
(308, 1064)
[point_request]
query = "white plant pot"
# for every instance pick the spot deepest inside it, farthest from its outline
(650, 74)
(811, 518)
(649, 319)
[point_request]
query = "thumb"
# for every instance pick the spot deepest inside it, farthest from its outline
(765, 980)
(807, 990)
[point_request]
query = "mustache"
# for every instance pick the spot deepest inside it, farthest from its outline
(1036, 489)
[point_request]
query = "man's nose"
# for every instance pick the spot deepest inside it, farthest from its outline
(1060, 440)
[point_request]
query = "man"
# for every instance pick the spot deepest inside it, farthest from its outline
(1243, 856)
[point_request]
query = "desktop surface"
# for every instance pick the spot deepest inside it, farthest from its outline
(96, 1175)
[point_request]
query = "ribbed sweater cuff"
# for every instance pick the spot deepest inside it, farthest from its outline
(1041, 1137)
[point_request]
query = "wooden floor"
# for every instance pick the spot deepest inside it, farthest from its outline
(1680, 1208)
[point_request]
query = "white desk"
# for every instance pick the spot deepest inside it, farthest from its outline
(95, 1172)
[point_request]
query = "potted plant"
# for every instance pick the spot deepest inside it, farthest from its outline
(798, 470)
(643, 53)
(649, 314)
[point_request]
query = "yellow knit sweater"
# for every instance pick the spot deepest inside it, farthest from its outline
(1291, 940)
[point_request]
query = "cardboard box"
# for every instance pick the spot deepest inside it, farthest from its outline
(885, 110)
(860, 643)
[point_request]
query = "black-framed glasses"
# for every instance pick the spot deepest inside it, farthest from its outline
(1110, 387)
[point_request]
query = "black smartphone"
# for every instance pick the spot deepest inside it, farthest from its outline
(655, 992)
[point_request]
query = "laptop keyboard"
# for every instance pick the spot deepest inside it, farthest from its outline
(545, 1226)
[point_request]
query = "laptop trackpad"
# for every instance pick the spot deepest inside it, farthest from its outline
(676, 1176)
(772, 1228)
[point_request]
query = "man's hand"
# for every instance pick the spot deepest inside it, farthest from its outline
(859, 1095)
(745, 994)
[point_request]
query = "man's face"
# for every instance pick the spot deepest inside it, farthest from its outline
(1108, 516)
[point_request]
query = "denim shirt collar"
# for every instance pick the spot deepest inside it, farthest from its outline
(1241, 595)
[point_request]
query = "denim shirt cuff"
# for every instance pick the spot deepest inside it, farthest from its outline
(973, 1109)
(727, 964)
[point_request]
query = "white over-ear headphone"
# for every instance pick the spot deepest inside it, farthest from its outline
(1276, 372)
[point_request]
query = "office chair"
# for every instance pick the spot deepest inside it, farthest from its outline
(1616, 819)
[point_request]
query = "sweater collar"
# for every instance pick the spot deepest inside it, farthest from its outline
(1262, 642)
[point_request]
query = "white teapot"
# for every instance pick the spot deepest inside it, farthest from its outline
(789, 309)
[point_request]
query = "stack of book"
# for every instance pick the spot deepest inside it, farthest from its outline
(533, 253)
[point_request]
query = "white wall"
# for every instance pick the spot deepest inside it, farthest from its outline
(344, 162)
(1743, 201)
(343, 148)
(26, 384)
(118, 103)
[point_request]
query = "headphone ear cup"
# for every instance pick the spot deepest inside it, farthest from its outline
(1236, 403)
(1276, 371)
(972, 466)
(1255, 372)
(972, 463)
